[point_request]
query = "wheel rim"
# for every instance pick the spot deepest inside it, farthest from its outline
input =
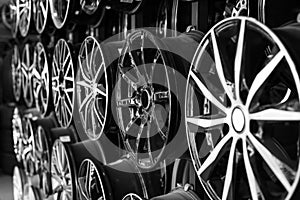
(89, 6)
(241, 9)
(59, 12)
(41, 78)
(27, 68)
(18, 184)
(42, 155)
(255, 161)
(28, 156)
(132, 196)
(40, 12)
(90, 181)
(63, 83)
(92, 88)
(25, 16)
(61, 172)
(18, 135)
(140, 97)
(16, 73)
(15, 16)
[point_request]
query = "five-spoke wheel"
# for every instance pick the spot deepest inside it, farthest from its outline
(242, 99)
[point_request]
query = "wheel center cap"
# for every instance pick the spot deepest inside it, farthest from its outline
(238, 120)
(146, 99)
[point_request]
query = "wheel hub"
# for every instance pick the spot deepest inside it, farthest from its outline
(238, 120)
(146, 98)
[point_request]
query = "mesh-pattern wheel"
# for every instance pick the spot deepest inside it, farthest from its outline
(59, 12)
(63, 85)
(25, 16)
(40, 14)
(18, 135)
(41, 79)
(89, 6)
(92, 88)
(27, 68)
(19, 180)
(242, 97)
(132, 196)
(15, 16)
(62, 173)
(90, 181)
(143, 98)
(16, 73)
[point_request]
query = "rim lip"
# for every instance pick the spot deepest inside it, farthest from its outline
(88, 11)
(59, 24)
(194, 62)
(41, 29)
(25, 31)
(91, 38)
(17, 72)
(39, 103)
(28, 102)
(57, 48)
(15, 28)
(63, 147)
(129, 39)
(89, 161)
(19, 178)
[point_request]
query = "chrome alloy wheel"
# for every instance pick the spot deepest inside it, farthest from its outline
(242, 100)
(16, 73)
(40, 14)
(25, 16)
(59, 12)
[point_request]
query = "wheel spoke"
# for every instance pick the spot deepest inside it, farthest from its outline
(129, 125)
(277, 166)
(85, 78)
(139, 135)
(206, 123)
(273, 114)
(262, 76)
(86, 101)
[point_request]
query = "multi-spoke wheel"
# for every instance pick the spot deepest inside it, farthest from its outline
(90, 181)
(27, 68)
(132, 196)
(16, 73)
(63, 83)
(92, 88)
(41, 79)
(19, 181)
(242, 98)
(25, 16)
(40, 14)
(42, 156)
(31, 193)
(143, 98)
(18, 135)
(62, 172)
(15, 16)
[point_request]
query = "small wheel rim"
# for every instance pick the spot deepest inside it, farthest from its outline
(42, 154)
(15, 16)
(18, 184)
(27, 68)
(90, 6)
(90, 181)
(132, 85)
(61, 172)
(132, 196)
(92, 88)
(59, 12)
(40, 14)
(25, 16)
(28, 155)
(41, 79)
(16, 73)
(230, 101)
(63, 85)
(18, 134)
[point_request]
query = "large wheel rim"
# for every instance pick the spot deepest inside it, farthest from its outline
(41, 79)
(90, 181)
(90, 6)
(40, 12)
(132, 196)
(250, 158)
(18, 134)
(132, 88)
(59, 12)
(92, 88)
(16, 73)
(61, 172)
(42, 155)
(18, 183)
(28, 156)
(15, 16)
(25, 16)
(63, 83)
(27, 68)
